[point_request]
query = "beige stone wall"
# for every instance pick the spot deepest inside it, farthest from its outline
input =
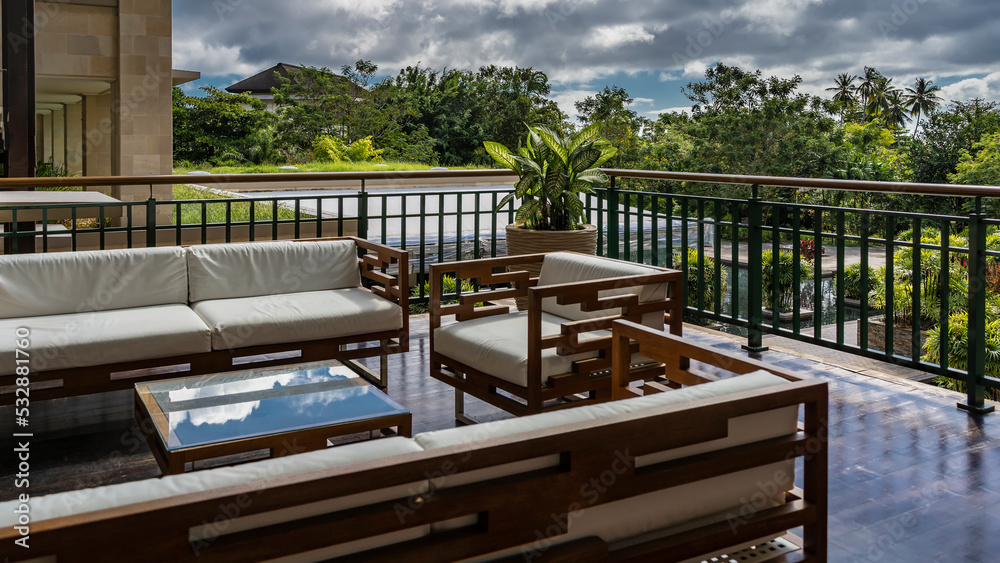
(128, 130)
(143, 96)
(76, 41)
(74, 138)
(97, 130)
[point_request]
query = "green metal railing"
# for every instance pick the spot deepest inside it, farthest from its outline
(720, 243)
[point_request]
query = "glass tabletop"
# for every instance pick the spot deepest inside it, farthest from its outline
(219, 408)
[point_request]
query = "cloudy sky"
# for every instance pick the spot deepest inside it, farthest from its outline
(651, 48)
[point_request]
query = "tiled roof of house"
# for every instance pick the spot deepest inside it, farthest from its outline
(262, 82)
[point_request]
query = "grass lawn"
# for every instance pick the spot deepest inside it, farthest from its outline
(310, 167)
(216, 212)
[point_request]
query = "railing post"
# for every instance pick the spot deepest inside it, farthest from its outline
(755, 270)
(151, 222)
(976, 354)
(613, 220)
(363, 211)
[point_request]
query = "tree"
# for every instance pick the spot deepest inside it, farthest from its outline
(621, 124)
(984, 167)
(922, 99)
(513, 96)
(845, 93)
(450, 112)
(316, 101)
(744, 123)
(729, 88)
(221, 127)
(947, 135)
(869, 83)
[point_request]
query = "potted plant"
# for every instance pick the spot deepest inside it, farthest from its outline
(553, 172)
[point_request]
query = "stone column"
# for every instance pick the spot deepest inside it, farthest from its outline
(59, 138)
(74, 138)
(142, 105)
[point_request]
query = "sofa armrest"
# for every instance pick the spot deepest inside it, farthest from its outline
(486, 275)
(675, 353)
(375, 264)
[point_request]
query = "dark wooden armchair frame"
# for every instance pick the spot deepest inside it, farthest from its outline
(590, 380)
(501, 512)
(374, 261)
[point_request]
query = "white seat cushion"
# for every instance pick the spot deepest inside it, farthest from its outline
(297, 317)
(225, 271)
(713, 499)
(60, 283)
(123, 494)
(106, 337)
(567, 267)
(498, 345)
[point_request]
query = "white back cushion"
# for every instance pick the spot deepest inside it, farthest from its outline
(59, 283)
(565, 267)
(224, 271)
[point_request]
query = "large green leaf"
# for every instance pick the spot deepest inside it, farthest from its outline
(586, 134)
(585, 159)
(553, 144)
(593, 175)
(501, 155)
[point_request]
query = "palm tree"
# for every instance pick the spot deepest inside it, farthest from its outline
(878, 97)
(922, 99)
(844, 91)
(894, 109)
(868, 84)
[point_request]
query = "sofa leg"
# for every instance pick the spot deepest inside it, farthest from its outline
(460, 415)
(380, 379)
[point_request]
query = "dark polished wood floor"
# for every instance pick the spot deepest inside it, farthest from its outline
(912, 478)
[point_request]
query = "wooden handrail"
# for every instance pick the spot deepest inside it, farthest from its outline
(215, 179)
(773, 181)
(816, 183)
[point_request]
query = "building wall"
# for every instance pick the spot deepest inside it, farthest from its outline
(120, 56)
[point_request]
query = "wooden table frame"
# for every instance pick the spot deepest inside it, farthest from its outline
(152, 423)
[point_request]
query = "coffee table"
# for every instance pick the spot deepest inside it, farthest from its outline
(286, 410)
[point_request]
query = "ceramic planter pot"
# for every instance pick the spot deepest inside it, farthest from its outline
(529, 241)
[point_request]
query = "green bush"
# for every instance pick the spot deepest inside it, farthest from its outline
(694, 275)
(327, 148)
(852, 282)
(448, 286)
(958, 343)
(782, 268)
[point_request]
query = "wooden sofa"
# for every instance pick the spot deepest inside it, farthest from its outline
(102, 320)
(665, 477)
(558, 352)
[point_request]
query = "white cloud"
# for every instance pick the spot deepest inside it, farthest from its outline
(610, 37)
(987, 88)
(644, 101)
(566, 99)
(194, 54)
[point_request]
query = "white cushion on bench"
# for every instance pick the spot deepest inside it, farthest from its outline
(224, 271)
(297, 317)
(123, 494)
(630, 517)
(510, 427)
(105, 337)
(566, 267)
(59, 283)
(498, 345)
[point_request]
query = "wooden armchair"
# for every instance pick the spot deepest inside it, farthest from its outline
(556, 354)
